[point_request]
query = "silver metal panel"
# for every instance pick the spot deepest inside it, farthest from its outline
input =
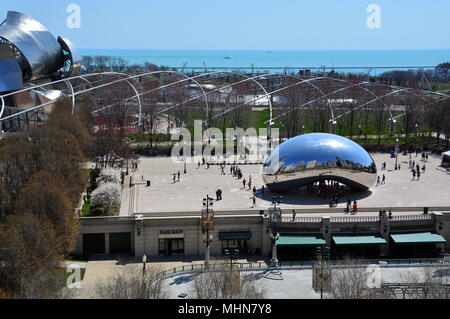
(37, 44)
(73, 58)
(314, 157)
(10, 72)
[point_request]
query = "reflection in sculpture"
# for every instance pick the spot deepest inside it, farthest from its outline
(311, 158)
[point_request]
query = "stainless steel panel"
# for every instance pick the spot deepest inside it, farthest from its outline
(314, 157)
(35, 42)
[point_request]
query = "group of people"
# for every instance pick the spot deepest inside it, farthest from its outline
(175, 177)
(381, 181)
(382, 213)
(236, 171)
(415, 169)
(351, 209)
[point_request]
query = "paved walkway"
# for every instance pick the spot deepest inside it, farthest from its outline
(186, 195)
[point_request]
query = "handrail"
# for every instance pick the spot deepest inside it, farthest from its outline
(286, 265)
(411, 217)
(347, 219)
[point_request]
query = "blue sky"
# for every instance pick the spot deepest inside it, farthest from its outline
(245, 24)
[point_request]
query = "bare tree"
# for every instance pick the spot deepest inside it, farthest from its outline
(224, 283)
(132, 284)
(349, 281)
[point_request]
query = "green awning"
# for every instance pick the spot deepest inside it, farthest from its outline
(358, 239)
(235, 235)
(300, 240)
(417, 238)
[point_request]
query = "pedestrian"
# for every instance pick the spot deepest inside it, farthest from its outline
(243, 182)
(398, 166)
(293, 214)
(355, 207)
(423, 168)
(198, 166)
(174, 178)
(384, 180)
(378, 180)
(217, 195)
(426, 157)
(390, 214)
(178, 175)
(349, 204)
(254, 190)
(418, 174)
(254, 201)
(414, 173)
(262, 190)
(250, 184)
(380, 213)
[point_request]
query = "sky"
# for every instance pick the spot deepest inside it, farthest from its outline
(244, 24)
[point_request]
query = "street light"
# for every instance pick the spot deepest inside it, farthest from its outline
(360, 131)
(184, 157)
(415, 138)
(275, 238)
(321, 255)
(396, 154)
(207, 238)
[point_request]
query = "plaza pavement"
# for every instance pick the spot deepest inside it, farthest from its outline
(295, 284)
(433, 188)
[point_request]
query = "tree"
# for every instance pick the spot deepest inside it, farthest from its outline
(349, 281)
(106, 195)
(45, 197)
(132, 285)
(29, 252)
(109, 175)
(217, 283)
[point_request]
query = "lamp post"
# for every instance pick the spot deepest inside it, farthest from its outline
(207, 238)
(360, 131)
(184, 157)
(396, 154)
(274, 260)
(415, 137)
(303, 127)
(321, 255)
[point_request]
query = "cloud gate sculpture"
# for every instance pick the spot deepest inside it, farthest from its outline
(310, 158)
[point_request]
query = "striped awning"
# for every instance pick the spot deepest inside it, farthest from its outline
(300, 240)
(417, 238)
(235, 235)
(358, 239)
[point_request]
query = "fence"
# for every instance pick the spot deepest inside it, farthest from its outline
(301, 220)
(411, 217)
(292, 265)
(352, 219)
(108, 220)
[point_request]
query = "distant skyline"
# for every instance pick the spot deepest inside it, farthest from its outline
(284, 25)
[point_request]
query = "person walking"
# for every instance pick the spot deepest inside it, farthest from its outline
(378, 180)
(244, 182)
(423, 168)
(418, 174)
(349, 205)
(293, 215)
(250, 185)
(178, 175)
(262, 191)
(414, 173)
(390, 213)
(384, 180)
(254, 202)
(355, 207)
